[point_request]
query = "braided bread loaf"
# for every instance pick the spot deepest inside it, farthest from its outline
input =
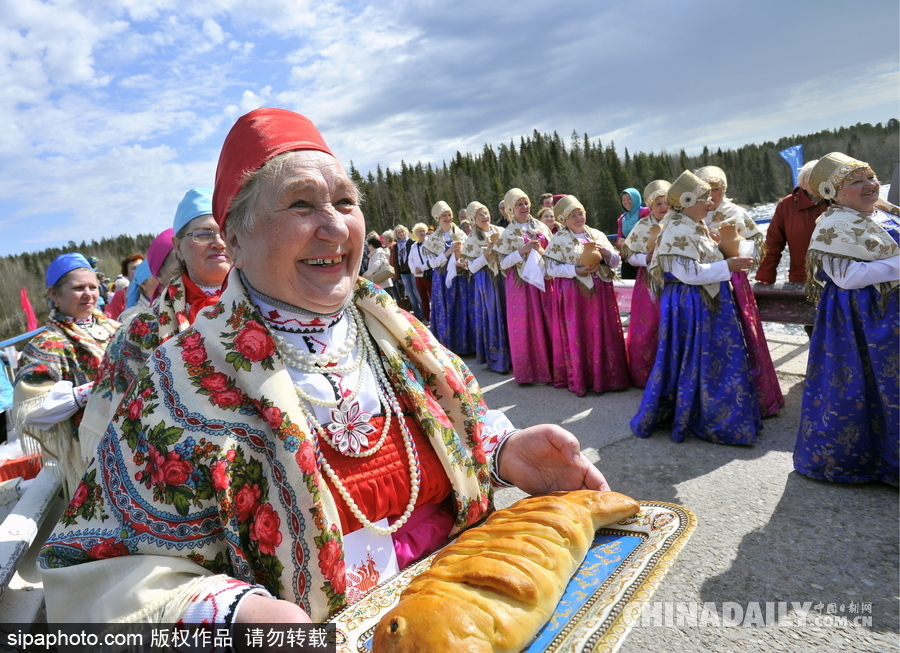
(493, 589)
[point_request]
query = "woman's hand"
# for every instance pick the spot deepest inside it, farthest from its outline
(605, 252)
(736, 263)
(585, 270)
(527, 247)
(546, 458)
(258, 608)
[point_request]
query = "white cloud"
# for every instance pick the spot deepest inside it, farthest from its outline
(127, 101)
(58, 36)
(125, 190)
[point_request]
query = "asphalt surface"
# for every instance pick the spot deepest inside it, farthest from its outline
(765, 533)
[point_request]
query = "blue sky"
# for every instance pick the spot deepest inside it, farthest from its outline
(113, 109)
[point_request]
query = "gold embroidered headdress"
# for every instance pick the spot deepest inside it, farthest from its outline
(472, 209)
(654, 189)
(565, 206)
(714, 176)
(829, 174)
(509, 201)
(686, 190)
(438, 209)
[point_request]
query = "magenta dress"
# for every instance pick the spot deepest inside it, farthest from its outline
(529, 318)
(589, 330)
(643, 331)
(768, 391)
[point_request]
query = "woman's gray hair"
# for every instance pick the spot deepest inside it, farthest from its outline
(241, 217)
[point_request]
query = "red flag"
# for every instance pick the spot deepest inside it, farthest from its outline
(30, 317)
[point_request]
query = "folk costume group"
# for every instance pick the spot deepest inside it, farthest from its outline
(273, 435)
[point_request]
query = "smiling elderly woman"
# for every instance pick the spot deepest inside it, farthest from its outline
(850, 415)
(58, 367)
(301, 420)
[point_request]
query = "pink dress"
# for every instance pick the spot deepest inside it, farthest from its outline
(643, 324)
(587, 329)
(529, 313)
(768, 392)
(762, 369)
(643, 331)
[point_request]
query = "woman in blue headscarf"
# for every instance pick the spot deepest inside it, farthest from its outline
(634, 211)
(58, 367)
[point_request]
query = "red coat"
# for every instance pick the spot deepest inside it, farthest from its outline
(792, 225)
(117, 304)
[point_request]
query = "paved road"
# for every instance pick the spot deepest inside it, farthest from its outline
(764, 534)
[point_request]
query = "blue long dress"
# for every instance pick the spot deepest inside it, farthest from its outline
(849, 425)
(450, 321)
(700, 384)
(489, 315)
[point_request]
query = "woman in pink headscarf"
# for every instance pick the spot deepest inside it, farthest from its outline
(150, 277)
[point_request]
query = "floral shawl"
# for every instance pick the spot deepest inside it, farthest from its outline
(566, 247)
(127, 354)
(689, 241)
(636, 243)
(728, 211)
(435, 243)
(62, 352)
(474, 247)
(847, 235)
(209, 468)
(513, 238)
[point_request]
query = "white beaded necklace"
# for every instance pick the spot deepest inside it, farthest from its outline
(345, 411)
(317, 362)
(390, 403)
(349, 427)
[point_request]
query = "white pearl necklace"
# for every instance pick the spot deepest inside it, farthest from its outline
(317, 362)
(390, 404)
(342, 414)
(332, 403)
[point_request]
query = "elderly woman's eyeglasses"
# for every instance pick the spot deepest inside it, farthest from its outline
(204, 237)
